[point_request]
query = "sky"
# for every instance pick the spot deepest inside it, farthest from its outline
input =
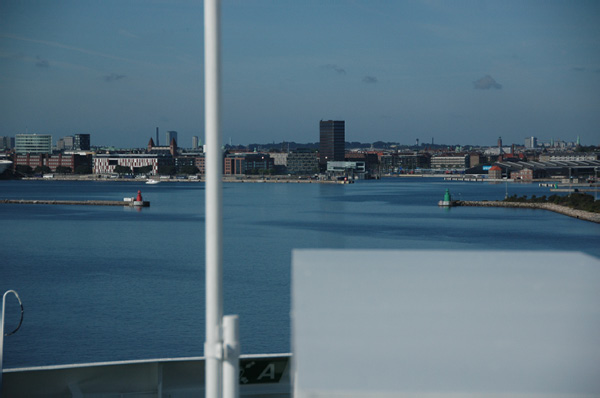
(455, 72)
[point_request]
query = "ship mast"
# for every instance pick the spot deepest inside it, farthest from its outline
(221, 347)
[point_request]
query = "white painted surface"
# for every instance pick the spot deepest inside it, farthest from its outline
(445, 324)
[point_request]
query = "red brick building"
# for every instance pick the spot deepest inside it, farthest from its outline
(525, 174)
(53, 161)
(495, 172)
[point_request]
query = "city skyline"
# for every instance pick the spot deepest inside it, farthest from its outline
(460, 72)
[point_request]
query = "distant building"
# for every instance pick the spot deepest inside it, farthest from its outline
(302, 161)
(53, 161)
(7, 142)
(412, 161)
(531, 143)
(524, 174)
(386, 162)
(370, 158)
(516, 168)
(454, 162)
(195, 142)
(347, 169)
(106, 163)
(33, 144)
(495, 172)
(474, 159)
(171, 149)
(81, 142)
(247, 163)
(495, 151)
(279, 158)
(201, 164)
(568, 156)
(183, 161)
(65, 143)
(60, 144)
(234, 164)
(332, 144)
(171, 135)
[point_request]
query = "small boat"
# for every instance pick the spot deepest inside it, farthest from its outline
(151, 181)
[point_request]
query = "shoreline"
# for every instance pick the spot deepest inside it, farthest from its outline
(567, 211)
(284, 180)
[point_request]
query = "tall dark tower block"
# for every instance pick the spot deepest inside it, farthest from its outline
(81, 142)
(332, 144)
(157, 136)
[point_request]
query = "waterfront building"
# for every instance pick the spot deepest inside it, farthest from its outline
(201, 164)
(386, 162)
(453, 162)
(279, 158)
(524, 174)
(550, 169)
(234, 164)
(347, 169)
(302, 161)
(33, 144)
(413, 161)
(53, 161)
(256, 162)
(247, 163)
(495, 172)
(106, 163)
(371, 160)
(332, 144)
(183, 161)
(81, 142)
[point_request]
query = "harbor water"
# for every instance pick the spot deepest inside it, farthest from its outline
(116, 283)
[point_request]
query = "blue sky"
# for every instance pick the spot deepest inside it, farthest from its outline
(460, 72)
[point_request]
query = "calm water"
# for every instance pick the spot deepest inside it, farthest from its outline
(111, 283)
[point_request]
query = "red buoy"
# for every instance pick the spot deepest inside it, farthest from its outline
(139, 197)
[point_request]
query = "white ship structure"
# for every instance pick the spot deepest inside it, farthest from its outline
(4, 164)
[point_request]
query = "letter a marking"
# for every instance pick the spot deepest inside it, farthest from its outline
(269, 371)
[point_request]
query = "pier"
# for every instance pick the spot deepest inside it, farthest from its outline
(75, 202)
(567, 211)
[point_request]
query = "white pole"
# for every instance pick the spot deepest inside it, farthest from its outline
(231, 363)
(213, 346)
(2, 338)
